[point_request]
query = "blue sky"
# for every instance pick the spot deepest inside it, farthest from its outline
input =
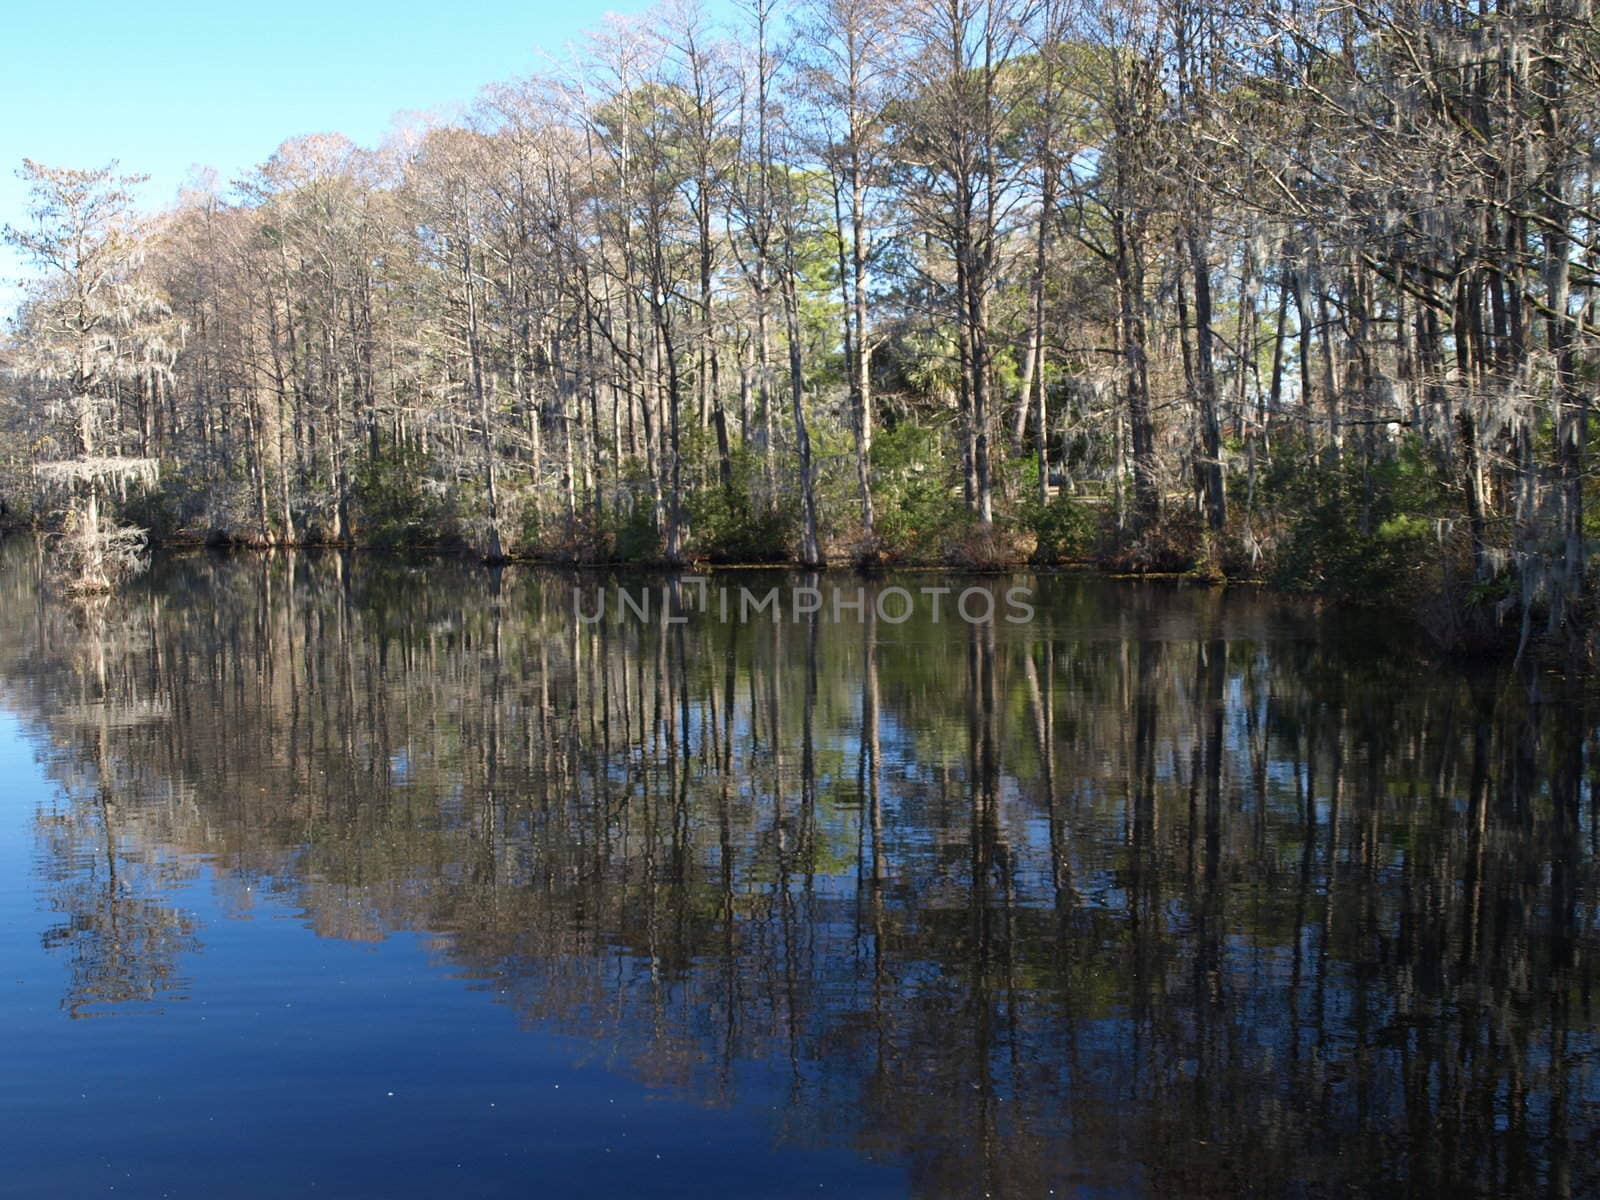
(168, 85)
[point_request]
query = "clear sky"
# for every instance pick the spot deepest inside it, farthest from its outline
(164, 86)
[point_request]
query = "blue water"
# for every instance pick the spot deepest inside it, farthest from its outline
(328, 876)
(291, 1064)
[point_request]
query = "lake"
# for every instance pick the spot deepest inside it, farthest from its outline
(337, 875)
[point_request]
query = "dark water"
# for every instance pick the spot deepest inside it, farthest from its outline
(333, 876)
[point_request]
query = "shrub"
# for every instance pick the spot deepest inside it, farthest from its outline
(634, 536)
(1175, 541)
(975, 547)
(395, 504)
(170, 511)
(1062, 528)
(1361, 532)
(731, 523)
(918, 510)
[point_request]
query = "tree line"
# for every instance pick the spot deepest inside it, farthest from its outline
(1268, 288)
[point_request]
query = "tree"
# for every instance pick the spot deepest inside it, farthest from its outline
(852, 78)
(91, 324)
(962, 91)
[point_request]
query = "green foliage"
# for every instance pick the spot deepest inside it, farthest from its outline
(630, 533)
(169, 510)
(1064, 529)
(733, 524)
(635, 538)
(916, 510)
(1360, 532)
(394, 506)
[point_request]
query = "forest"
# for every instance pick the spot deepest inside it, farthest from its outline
(1279, 290)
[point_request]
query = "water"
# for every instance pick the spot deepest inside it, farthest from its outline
(323, 875)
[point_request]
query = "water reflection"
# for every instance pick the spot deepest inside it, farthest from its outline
(1168, 891)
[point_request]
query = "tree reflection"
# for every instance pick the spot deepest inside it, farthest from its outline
(121, 937)
(1172, 891)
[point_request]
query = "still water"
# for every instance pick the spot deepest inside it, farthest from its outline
(337, 876)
